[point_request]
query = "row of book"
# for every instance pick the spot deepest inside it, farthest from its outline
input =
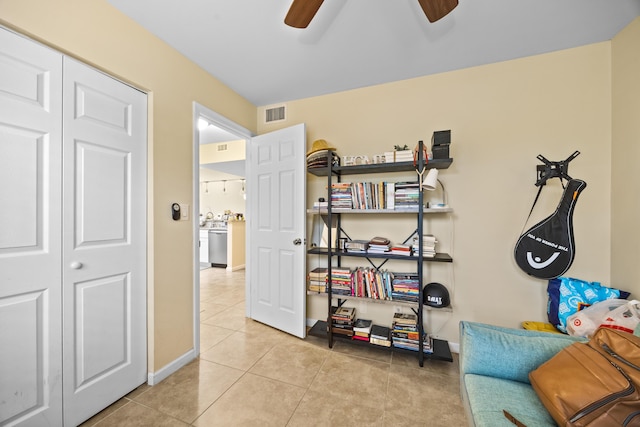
(402, 334)
(375, 195)
(381, 245)
(366, 282)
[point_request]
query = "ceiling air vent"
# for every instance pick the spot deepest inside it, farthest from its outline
(275, 114)
(222, 147)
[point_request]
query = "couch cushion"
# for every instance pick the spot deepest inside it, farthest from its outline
(505, 352)
(488, 397)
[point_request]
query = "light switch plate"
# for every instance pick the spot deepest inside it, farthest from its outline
(184, 212)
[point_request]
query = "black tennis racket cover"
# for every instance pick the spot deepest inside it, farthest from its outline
(547, 250)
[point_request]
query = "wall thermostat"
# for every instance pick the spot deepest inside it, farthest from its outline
(175, 211)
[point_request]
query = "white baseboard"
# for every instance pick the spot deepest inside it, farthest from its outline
(154, 378)
(236, 268)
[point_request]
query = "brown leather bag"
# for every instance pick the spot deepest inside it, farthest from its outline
(593, 384)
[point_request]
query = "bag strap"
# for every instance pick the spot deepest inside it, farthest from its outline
(513, 419)
(534, 204)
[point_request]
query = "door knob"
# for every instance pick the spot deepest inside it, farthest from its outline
(76, 265)
(297, 241)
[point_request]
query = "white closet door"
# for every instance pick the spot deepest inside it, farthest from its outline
(104, 242)
(30, 230)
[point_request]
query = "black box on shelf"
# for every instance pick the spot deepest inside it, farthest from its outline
(441, 137)
(440, 142)
(440, 151)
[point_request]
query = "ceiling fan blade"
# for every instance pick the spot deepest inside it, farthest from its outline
(302, 12)
(437, 9)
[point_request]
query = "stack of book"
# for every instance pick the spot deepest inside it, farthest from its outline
(379, 245)
(341, 195)
(341, 281)
(356, 245)
(407, 196)
(428, 245)
(361, 329)
(318, 280)
(342, 319)
(320, 204)
(404, 330)
(400, 249)
(319, 159)
(405, 333)
(398, 156)
(405, 287)
(380, 335)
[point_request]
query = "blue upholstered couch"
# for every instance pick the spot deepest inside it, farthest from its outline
(494, 373)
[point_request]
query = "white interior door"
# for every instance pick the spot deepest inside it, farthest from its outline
(276, 164)
(30, 230)
(104, 243)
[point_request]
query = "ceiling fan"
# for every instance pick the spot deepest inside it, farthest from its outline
(302, 12)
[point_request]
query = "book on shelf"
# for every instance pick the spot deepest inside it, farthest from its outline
(378, 341)
(379, 245)
(390, 195)
(401, 249)
(341, 197)
(405, 287)
(414, 345)
(343, 313)
(407, 195)
(363, 326)
(411, 335)
(342, 319)
(380, 332)
(379, 241)
(356, 245)
(378, 249)
(319, 287)
(341, 281)
(345, 332)
(405, 319)
(398, 156)
(428, 245)
(319, 273)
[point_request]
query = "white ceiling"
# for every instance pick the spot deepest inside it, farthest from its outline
(358, 43)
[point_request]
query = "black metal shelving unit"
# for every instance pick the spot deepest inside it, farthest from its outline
(440, 348)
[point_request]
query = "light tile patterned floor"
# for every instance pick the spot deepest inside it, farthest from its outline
(249, 374)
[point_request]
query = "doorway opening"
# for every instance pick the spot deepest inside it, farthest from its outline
(219, 177)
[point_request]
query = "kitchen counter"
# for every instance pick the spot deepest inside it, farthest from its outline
(236, 248)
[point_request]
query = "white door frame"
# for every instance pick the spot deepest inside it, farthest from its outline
(242, 133)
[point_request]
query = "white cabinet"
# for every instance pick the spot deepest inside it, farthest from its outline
(204, 245)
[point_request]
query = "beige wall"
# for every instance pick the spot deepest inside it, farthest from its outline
(96, 33)
(625, 240)
(501, 116)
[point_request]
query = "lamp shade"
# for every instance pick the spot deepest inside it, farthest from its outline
(431, 181)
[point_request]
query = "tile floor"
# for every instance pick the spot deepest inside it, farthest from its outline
(249, 374)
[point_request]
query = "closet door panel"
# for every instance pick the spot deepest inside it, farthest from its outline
(104, 280)
(30, 232)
